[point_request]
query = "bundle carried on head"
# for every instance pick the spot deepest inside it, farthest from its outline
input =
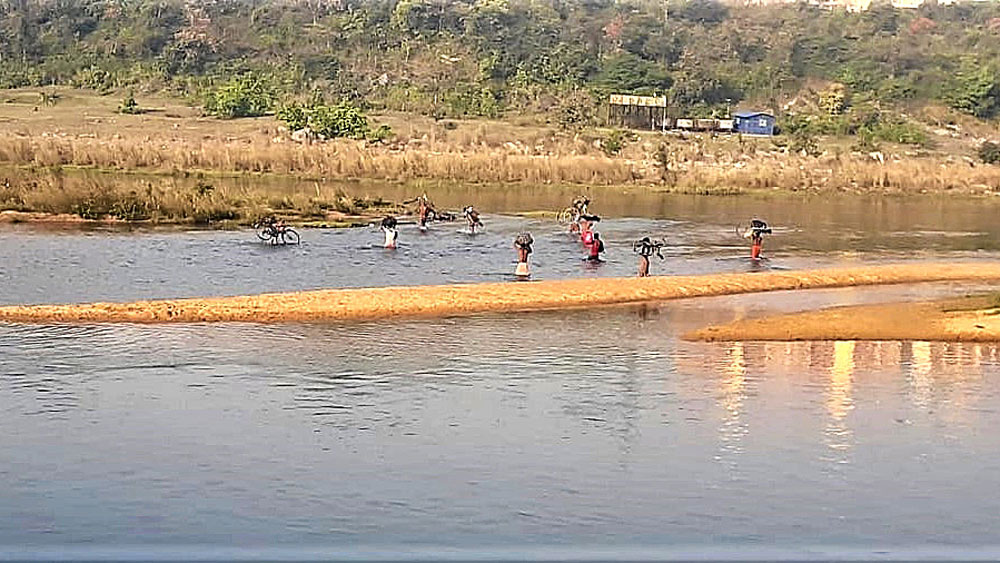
(759, 227)
(647, 247)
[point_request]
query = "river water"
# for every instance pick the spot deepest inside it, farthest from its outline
(595, 434)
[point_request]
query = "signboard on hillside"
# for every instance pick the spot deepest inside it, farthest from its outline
(638, 101)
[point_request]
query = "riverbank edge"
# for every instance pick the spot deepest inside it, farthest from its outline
(968, 319)
(470, 299)
(66, 218)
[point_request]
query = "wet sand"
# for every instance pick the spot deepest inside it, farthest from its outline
(457, 300)
(973, 319)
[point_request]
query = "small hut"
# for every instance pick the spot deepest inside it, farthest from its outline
(753, 123)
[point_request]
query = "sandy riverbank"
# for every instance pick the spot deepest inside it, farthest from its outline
(974, 319)
(457, 300)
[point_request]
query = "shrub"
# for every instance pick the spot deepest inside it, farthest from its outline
(900, 131)
(976, 92)
(989, 152)
(381, 134)
(615, 141)
(330, 122)
(294, 116)
(833, 100)
(804, 142)
(243, 96)
(129, 105)
(866, 141)
(94, 78)
(575, 110)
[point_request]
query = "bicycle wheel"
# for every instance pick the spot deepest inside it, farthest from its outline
(264, 233)
(565, 216)
(289, 236)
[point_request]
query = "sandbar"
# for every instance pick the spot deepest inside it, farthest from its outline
(971, 319)
(469, 299)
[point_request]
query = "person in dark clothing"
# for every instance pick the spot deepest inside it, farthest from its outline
(645, 248)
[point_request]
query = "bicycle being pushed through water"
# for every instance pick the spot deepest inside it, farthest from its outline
(574, 212)
(274, 231)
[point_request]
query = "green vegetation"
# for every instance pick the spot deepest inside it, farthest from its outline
(129, 105)
(248, 95)
(615, 141)
(329, 122)
(823, 72)
(989, 152)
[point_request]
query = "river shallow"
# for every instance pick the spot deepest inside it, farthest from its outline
(583, 434)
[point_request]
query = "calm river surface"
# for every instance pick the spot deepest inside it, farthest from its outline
(580, 434)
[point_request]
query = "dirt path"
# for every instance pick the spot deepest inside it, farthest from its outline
(454, 300)
(974, 319)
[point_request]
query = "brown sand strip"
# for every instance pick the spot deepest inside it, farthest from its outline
(933, 321)
(453, 300)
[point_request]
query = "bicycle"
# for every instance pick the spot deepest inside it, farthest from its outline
(754, 229)
(572, 213)
(276, 232)
(566, 216)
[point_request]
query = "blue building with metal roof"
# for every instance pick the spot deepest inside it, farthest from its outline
(753, 123)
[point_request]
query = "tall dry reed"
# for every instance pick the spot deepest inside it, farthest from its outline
(174, 199)
(477, 155)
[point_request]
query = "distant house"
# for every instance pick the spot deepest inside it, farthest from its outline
(753, 123)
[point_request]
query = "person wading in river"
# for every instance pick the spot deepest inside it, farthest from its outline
(756, 234)
(587, 229)
(472, 217)
(424, 211)
(522, 243)
(595, 249)
(391, 233)
(645, 248)
(579, 210)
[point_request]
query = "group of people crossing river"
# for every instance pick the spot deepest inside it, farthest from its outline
(581, 223)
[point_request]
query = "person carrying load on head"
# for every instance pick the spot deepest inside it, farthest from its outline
(755, 233)
(425, 209)
(391, 233)
(579, 205)
(522, 243)
(472, 217)
(587, 228)
(645, 248)
(596, 248)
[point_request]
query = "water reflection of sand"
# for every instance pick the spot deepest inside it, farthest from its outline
(945, 379)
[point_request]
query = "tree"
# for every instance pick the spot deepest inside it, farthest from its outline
(989, 152)
(833, 100)
(628, 73)
(248, 95)
(976, 92)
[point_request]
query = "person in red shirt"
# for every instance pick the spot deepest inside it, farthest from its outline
(587, 228)
(756, 234)
(595, 248)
